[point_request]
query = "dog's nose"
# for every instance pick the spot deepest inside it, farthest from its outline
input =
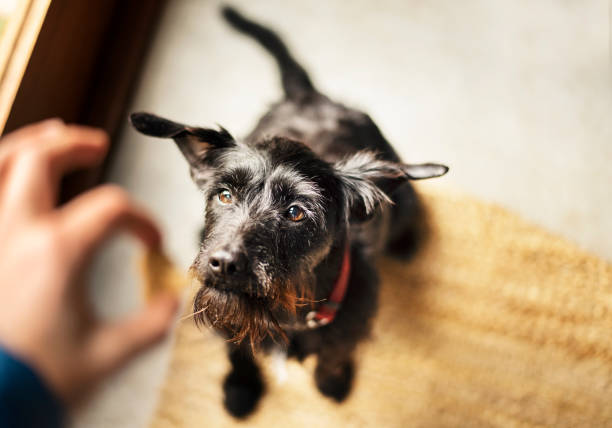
(223, 262)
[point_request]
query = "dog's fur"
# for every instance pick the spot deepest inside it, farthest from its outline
(261, 271)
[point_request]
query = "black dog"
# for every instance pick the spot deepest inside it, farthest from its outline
(295, 213)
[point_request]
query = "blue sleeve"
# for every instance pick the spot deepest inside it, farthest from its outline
(25, 401)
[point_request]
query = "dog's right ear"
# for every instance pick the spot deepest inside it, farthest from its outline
(194, 143)
(369, 181)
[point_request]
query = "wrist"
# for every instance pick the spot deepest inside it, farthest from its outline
(25, 398)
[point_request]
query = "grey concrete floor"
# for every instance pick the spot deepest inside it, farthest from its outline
(514, 96)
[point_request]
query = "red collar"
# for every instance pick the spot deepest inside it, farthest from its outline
(328, 309)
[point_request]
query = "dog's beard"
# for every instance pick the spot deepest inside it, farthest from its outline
(239, 316)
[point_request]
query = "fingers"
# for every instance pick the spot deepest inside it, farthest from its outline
(75, 147)
(93, 217)
(22, 191)
(28, 133)
(50, 135)
(15, 171)
(87, 221)
(63, 146)
(114, 345)
(33, 160)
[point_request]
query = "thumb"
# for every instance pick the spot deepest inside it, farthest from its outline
(113, 345)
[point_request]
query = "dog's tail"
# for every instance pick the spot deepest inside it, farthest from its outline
(296, 82)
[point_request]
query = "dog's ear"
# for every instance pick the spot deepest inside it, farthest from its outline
(195, 143)
(369, 181)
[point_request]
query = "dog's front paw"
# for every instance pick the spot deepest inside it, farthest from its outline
(242, 393)
(335, 382)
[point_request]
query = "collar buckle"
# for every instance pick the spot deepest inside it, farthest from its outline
(326, 313)
(315, 320)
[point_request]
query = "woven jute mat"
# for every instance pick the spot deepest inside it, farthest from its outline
(493, 323)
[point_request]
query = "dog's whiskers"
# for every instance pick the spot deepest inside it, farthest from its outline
(306, 300)
(193, 314)
(302, 302)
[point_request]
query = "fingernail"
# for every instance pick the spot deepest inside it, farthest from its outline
(53, 126)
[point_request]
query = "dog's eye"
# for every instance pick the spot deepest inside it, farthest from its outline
(295, 213)
(225, 197)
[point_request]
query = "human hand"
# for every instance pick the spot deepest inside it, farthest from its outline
(45, 316)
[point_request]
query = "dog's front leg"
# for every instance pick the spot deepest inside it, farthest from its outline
(243, 386)
(334, 371)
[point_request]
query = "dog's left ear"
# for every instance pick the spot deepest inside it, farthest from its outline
(369, 181)
(195, 143)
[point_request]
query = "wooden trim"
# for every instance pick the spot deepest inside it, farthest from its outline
(11, 33)
(16, 46)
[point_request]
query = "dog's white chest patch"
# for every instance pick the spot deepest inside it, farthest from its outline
(279, 365)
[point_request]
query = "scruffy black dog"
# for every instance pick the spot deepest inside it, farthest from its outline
(295, 213)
